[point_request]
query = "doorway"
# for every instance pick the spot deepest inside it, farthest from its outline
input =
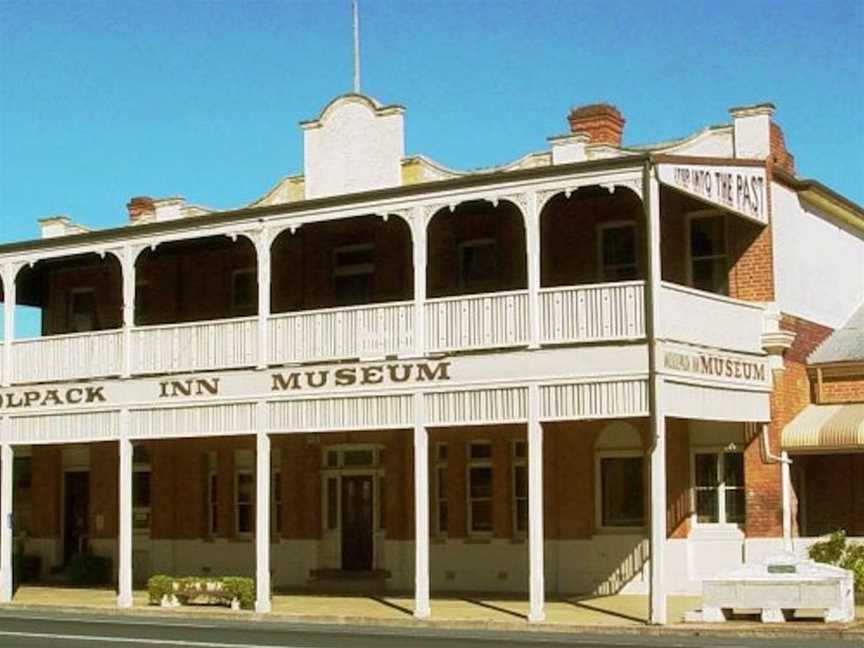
(357, 522)
(76, 509)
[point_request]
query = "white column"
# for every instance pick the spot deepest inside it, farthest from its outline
(262, 248)
(422, 608)
(124, 543)
(532, 239)
(786, 486)
(537, 588)
(9, 297)
(419, 239)
(6, 464)
(657, 613)
(128, 268)
(262, 514)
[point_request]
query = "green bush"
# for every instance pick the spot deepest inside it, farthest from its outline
(243, 589)
(157, 587)
(838, 551)
(191, 587)
(85, 569)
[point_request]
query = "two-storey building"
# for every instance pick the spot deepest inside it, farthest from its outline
(567, 374)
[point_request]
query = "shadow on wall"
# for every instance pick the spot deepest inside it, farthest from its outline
(625, 560)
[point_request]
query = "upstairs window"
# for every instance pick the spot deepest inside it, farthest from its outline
(353, 274)
(478, 265)
(617, 251)
(707, 249)
(82, 310)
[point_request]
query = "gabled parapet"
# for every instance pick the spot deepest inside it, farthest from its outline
(354, 145)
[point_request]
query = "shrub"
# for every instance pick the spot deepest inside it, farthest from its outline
(157, 587)
(86, 569)
(838, 551)
(243, 589)
(213, 590)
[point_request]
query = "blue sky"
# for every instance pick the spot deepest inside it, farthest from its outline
(101, 101)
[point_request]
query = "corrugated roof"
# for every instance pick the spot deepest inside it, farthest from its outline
(846, 344)
(826, 427)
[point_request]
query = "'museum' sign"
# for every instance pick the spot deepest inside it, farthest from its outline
(740, 189)
(715, 366)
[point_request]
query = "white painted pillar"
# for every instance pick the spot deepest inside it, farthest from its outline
(262, 514)
(9, 298)
(420, 241)
(537, 589)
(657, 614)
(262, 248)
(129, 282)
(124, 541)
(786, 486)
(532, 238)
(7, 460)
(422, 608)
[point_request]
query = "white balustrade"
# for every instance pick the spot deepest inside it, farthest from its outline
(372, 331)
(492, 320)
(591, 313)
(698, 317)
(96, 354)
(195, 346)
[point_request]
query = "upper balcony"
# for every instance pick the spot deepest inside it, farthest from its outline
(373, 286)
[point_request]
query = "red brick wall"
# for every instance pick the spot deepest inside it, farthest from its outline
(476, 220)
(47, 469)
(679, 505)
(791, 395)
(833, 493)
(569, 234)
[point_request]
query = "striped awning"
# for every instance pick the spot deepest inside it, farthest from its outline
(830, 428)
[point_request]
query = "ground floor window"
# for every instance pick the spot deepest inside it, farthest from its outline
(244, 501)
(718, 485)
(480, 487)
(212, 494)
(520, 487)
(622, 490)
(440, 481)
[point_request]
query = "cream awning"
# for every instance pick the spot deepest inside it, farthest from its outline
(829, 428)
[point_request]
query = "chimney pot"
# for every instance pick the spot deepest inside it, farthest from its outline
(601, 122)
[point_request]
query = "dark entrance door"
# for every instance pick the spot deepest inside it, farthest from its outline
(76, 507)
(357, 523)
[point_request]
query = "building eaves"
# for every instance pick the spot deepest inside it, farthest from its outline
(347, 200)
(846, 344)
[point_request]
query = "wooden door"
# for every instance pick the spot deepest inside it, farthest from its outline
(76, 509)
(357, 523)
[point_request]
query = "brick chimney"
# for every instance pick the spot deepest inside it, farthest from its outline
(780, 156)
(141, 209)
(602, 123)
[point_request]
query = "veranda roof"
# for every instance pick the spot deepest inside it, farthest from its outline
(826, 428)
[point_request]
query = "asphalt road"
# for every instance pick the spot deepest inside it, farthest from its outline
(32, 630)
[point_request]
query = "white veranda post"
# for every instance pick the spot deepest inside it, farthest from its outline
(421, 510)
(657, 613)
(124, 544)
(535, 507)
(262, 520)
(6, 462)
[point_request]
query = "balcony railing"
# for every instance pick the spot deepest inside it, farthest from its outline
(67, 357)
(477, 322)
(593, 313)
(338, 333)
(566, 315)
(195, 346)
